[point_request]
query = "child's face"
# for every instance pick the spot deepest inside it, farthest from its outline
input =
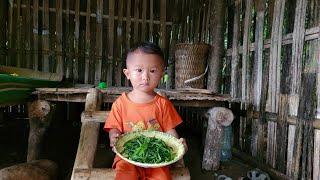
(144, 71)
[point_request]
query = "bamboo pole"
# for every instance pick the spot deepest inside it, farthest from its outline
(136, 23)
(10, 33)
(28, 30)
(98, 63)
(163, 32)
(110, 43)
(144, 18)
(151, 22)
(235, 51)
(119, 45)
(59, 66)
(87, 44)
(3, 36)
(18, 33)
(68, 41)
(76, 41)
(45, 36)
(35, 33)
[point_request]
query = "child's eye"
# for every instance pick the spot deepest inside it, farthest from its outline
(153, 70)
(139, 70)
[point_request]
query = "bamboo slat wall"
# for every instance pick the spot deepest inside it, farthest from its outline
(283, 79)
(86, 40)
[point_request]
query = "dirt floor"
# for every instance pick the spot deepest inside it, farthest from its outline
(62, 139)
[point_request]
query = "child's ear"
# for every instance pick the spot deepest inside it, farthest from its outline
(126, 73)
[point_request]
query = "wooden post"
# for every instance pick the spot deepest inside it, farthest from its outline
(218, 117)
(136, 21)
(215, 58)
(40, 114)
(163, 32)
(89, 134)
(28, 31)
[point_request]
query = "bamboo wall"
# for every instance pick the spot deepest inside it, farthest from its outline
(86, 40)
(273, 67)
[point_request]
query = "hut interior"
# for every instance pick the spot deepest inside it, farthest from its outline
(257, 58)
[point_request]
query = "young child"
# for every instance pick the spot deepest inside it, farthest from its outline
(142, 108)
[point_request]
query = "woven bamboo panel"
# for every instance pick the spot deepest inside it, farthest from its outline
(190, 62)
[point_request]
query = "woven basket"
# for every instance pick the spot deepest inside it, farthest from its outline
(190, 62)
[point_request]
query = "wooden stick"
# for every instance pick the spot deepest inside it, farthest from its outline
(144, 19)
(28, 31)
(35, 33)
(136, 23)
(18, 33)
(151, 22)
(3, 36)
(10, 33)
(119, 45)
(316, 155)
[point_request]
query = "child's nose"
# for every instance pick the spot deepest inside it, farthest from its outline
(145, 75)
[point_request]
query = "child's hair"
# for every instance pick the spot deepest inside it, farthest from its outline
(147, 48)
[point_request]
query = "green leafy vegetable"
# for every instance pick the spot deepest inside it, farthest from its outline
(147, 150)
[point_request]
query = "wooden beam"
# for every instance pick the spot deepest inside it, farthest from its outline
(110, 52)
(59, 66)
(87, 43)
(45, 36)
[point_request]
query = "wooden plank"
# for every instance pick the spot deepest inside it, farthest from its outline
(98, 58)
(35, 33)
(163, 19)
(144, 20)
(76, 41)
(94, 116)
(87, 44)
(271, 144)
(316, 155)
(179, 173)
(136, 22)
(120, 44)
(45, 37)
(246, 54)
(18, 33)
(59, 66)
(110, 42)
(151, 22)
(235, 51)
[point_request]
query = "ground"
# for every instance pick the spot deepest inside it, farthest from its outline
(61, 144)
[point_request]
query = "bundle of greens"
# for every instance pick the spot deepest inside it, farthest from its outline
(147, 150)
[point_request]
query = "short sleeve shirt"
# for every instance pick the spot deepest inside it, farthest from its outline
(127, 116)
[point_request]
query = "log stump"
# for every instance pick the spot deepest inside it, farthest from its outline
(40, 116)
(217, 118)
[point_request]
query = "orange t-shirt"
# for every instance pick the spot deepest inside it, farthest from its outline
(126, 116)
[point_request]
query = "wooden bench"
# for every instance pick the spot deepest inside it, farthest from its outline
(91, 119)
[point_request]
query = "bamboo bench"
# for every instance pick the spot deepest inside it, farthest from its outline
(91, 119)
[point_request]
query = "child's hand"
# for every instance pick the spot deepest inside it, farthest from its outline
(113, 137)
(184, 142)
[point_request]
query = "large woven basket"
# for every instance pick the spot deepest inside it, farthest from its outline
(190, 62)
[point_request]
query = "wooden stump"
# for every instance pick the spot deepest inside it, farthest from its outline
(218, 117)
(40, 117)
